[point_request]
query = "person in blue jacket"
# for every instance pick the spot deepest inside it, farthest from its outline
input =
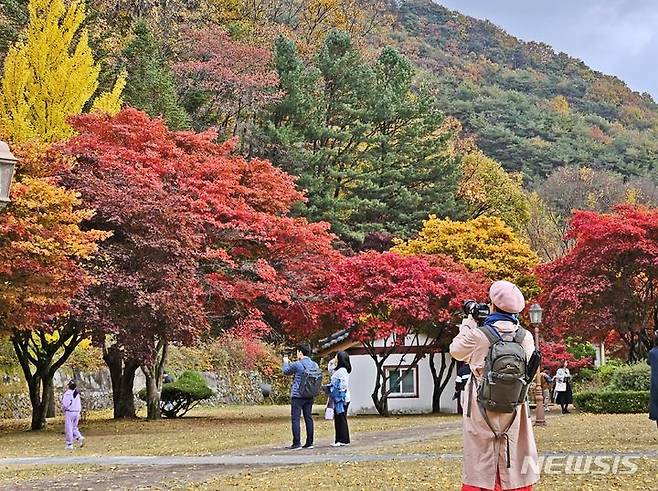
(339, 391)
(300, 405)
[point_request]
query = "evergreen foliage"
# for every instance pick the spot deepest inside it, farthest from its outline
(370, 148)
(531, 108)
(150, 84)
(181, 395)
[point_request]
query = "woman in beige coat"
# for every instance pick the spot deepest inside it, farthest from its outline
(487, 464)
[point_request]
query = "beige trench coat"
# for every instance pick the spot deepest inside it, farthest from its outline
(483, 453)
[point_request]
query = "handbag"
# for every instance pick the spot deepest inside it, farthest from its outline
(560, 386)
(329, 413)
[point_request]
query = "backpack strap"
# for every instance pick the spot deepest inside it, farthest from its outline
(491, 333)
(470, 394)
(519, 335)
(502, 434)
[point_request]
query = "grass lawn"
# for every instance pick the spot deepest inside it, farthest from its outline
(574, 432)
(226, 429)
(204, 431)
(570, 433)
(425, 474)
(14, 474)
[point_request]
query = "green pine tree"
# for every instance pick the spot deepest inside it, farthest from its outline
(366, 145)
(150, 85)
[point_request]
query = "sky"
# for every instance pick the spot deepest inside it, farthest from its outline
(616, 37)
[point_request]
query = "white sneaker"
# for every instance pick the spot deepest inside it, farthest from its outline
(82, 441)
(337, 444)
(69, 447)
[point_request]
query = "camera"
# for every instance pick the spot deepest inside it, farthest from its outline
(479, 311)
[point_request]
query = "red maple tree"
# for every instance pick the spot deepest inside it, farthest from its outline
(406, 305)
(42, 252)
(608, 281)
(555, 353)
(201, 238)
(230, 80)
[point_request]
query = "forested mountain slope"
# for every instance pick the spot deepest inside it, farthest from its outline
(531, 108)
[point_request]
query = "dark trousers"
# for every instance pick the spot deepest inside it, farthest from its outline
(298, 407)
(340, 425)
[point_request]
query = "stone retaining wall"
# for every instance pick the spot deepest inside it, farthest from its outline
(96, 390)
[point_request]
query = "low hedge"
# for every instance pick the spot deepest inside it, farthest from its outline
(614, 402)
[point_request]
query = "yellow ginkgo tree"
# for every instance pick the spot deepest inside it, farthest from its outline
(49, 74)
(484, 244)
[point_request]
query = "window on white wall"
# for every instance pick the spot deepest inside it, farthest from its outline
(402, 382)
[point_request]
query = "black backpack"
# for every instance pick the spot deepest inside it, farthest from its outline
(310, 384)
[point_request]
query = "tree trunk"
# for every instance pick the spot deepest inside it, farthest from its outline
(154, 373)
(35, 349)
(39, 397)
(440, 379)
(50, 413)
(379, 394)
(122, 373)
(152, 398)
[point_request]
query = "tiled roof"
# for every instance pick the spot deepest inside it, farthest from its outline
(334, 339)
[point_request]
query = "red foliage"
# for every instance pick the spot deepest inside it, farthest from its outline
(41, 245)
(555, 353)
(238, 78)
(382, 294)
(198, 232)
(608, 281)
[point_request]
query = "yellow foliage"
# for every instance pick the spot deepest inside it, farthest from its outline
(86, 357)
(43, 238)
(487, 189)
(48, 75)
(632, 195)
(560, 105)
(306, 21)
(483, 244)
(110, 102)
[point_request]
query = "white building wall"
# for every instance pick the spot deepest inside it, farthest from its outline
(362, 383)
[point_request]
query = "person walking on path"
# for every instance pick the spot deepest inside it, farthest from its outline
(499, 448)
(71, 407)
(653, 362)
(340, 394)
(306, 384)
(563, 391)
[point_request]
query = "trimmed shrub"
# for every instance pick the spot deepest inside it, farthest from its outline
(181, 395)
(596, 379)
(636, 377)
(614, 402)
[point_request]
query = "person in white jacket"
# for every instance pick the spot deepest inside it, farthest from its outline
(71, 407)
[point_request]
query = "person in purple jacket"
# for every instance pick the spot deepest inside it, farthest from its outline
(71, 407)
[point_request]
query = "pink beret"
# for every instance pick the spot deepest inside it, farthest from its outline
(507, 297)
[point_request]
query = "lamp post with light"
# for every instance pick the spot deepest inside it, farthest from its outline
(7, 166)
(536, 312)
